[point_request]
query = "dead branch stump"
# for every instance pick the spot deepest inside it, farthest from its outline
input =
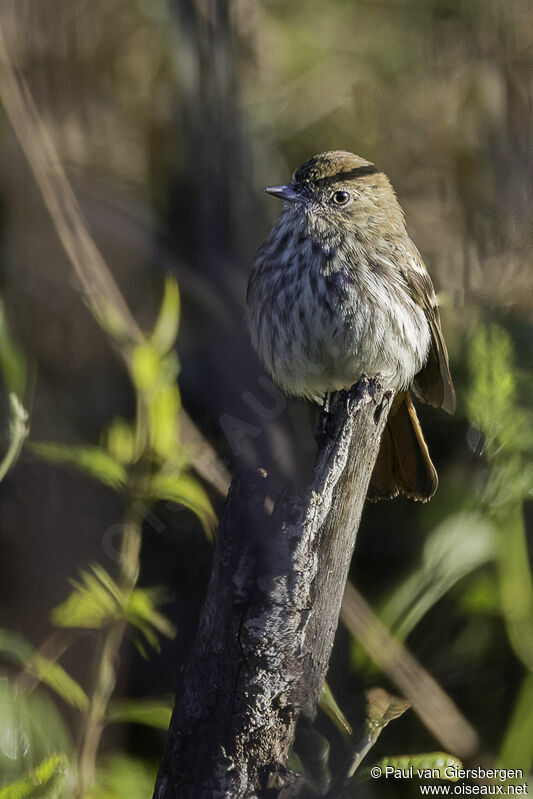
(267, 627)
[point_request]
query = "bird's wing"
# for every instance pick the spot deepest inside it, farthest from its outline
(433, 384)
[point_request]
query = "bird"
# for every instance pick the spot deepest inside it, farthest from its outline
(339, 290)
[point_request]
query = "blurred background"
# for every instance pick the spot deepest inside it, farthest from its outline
(169, 117)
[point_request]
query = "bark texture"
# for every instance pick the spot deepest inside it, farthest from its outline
(269, 620)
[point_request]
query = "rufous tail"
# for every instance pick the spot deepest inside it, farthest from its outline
(403, 465)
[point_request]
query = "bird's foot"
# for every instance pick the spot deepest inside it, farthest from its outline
(365, 386)
(324, 424)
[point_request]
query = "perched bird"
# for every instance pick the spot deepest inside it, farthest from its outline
(338, 290)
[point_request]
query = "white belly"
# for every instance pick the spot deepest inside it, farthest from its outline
(321, 335)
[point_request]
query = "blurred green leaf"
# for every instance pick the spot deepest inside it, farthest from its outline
(18, 431)
(55, 677)
(124, 777)
(150, 712)
(170, 367)
(95, 601)
(481, 596)
(14, 369)
(164, 417)
(491, 398)
(330, 707)
(12, 361)
(382, 707)
(508, 432)
(146, 367)
(37, 782)
(31, 729)
(166, 327)
(456, 547)
(517, 747)
(509, 480)
(92, 461)
(18, 650)
(119, 441)
(516, 586)
(141, 613)
(184, 490)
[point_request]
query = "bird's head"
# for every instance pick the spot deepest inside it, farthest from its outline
(337, 193)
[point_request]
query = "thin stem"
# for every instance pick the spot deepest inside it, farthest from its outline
(18, 430)
(97, 284)
(362, 750)
(108, 655)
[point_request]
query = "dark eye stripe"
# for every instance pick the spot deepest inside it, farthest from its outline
(352, 174)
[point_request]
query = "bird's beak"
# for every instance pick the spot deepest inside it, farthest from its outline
(288, 193)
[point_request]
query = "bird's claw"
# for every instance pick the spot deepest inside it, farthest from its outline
(365, 385)
(324, 427)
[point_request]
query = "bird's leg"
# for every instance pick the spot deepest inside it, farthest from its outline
(355, 395)
(325, 415)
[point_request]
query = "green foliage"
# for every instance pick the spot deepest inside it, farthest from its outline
(91, 461)
(119, 441)
(150, 372)
(13, 368)
(97, 600)
(329, 706)
(507, 429)
(123, 778)
(492, 397)
(458, 546)
(184, 490)
(166, 327)
(468, 547)
(517, 747)
(312, 756)
(163, 419)
(154, 376)
(516, 587)
(18, 431)
(481, 596)
(43, 782)
(155, 368)
(31, 732)
(16, 649)
(145, 462)
(150, 712)
(13, 364)
(141, 613)
(381, 708)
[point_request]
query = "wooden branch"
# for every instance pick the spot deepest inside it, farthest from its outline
(267, 627)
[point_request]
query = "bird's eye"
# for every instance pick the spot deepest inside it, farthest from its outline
(340, 197)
